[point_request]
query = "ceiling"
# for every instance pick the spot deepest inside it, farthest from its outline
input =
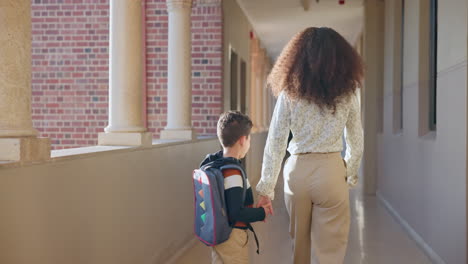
(276, 21)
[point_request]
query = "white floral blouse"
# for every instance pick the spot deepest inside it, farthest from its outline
(314, 130)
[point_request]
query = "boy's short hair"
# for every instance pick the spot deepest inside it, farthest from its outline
(232, 125)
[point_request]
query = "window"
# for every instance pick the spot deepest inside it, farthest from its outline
(427, 67)
(234, 81)
(243, 87)
(402, 63)
(398, 66)
(433, 67)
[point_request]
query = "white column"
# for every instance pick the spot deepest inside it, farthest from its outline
(18, 138)
(179, 112)
(126, 65)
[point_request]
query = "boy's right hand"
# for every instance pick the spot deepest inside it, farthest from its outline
(265, 208)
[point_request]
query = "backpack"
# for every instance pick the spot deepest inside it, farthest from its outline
(211, 225)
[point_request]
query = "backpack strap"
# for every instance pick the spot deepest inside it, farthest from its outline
(250, 227)
(244, 192)
(231, 166)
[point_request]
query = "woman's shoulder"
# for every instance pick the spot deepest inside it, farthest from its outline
(350, 98)
(284, 97)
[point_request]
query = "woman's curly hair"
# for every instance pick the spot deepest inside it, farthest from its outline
(318, 65)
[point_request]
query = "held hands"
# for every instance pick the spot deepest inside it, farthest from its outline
(265, 202)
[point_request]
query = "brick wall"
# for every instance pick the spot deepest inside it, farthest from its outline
(70, 68)
(207, 54)
(70, 54)
(206, 64)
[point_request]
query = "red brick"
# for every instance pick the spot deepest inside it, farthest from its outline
(68, 29)
(67, 129)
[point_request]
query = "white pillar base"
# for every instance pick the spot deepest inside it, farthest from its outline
(182, 134)
(24, 149)
(125, 139)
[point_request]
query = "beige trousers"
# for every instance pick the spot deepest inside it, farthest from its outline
(234, 251)
(317, 200)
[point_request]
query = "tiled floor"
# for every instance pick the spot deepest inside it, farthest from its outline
(375, 237)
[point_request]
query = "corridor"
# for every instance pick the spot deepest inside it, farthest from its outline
(375, 237)
(107, 107)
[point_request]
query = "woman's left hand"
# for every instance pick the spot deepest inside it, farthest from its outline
(265, 201)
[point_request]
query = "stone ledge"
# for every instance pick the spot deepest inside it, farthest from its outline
(84, 152)
(125, 139)
(175, 134)
(24, 149)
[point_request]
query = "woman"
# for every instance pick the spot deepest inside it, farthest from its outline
(315, 79)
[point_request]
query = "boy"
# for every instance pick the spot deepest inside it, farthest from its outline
(234, 135)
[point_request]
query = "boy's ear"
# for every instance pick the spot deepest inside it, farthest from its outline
(242, 140)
